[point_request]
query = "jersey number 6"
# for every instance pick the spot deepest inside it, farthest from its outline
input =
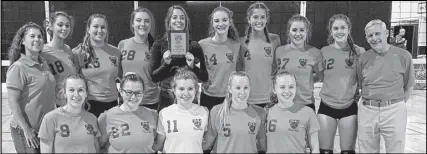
(272, 125)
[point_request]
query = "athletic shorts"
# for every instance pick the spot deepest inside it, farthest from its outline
(337, 113)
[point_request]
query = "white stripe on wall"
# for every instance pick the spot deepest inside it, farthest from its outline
(135, 5)
(303, 7)
(46, 13)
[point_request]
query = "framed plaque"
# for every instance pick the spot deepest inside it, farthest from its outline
(178, 43)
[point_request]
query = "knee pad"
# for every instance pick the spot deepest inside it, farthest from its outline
(326, 151)
(348, 152)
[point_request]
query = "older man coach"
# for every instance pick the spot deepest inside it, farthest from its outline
(386, 75)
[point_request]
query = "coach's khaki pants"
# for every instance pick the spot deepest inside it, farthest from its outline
(388, 121)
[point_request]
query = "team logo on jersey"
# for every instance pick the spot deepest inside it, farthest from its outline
(230, 57)
(302, 63)
(113, 60)
(146, 126)
(294, 125)
(252, 126)
(197, 124)
(267, 51)
(349, 63)
(147, 56)
(90, 130)
(248, 55)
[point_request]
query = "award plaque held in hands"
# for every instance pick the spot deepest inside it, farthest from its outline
(178, 43)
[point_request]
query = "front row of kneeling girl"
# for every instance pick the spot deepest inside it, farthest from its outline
(233, 126)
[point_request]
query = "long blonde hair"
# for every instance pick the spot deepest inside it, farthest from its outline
(224, 111)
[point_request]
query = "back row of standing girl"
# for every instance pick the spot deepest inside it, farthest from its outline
(258, 53)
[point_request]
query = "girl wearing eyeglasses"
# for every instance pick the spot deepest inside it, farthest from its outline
(128, 128)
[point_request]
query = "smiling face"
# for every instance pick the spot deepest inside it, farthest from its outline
(258, 19)
(61, 27)
(221, 22)
(376, 36)
(98, 29)
(185, 91)
(75, 92)
(33, 40)
(239, 89)
(340, 31)
(132, 93)
(298, 32)
(177, 21)
(285, 88)
(141, 23)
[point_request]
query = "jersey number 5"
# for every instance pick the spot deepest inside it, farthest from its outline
(175, 123)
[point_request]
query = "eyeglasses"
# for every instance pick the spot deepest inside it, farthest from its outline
(129, 93)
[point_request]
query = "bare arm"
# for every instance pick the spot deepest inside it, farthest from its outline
(97, 147)
(159, 142)
(261, 136)
(46, 146)
(29, 133)
(314, 142)
(211, 134)
(102, 124)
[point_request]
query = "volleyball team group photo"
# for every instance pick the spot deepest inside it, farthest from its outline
(224, 93)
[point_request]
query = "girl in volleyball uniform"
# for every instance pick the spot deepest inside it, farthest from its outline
(302, 64)
(300, 59)
(101, 75)
(240, 135)
(291, 128)
(136, 58)
(183, 129)
(129, 132)
(287, 131)
(100, 63)
(129, 128)
(136, 55)
(71, 133)
(236, 126)
(219, 66)
(70, 128)
(258, 59)
(181, 125)
(338, 105)
(58, 55)
(221, 51)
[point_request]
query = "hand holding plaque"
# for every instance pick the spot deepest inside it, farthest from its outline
(178, 43)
